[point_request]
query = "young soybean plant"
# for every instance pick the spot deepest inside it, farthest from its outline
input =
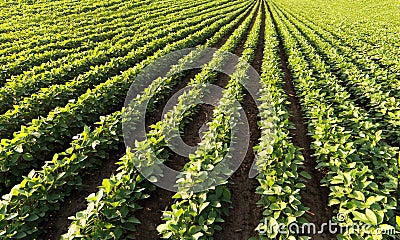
(277, 164)
(111, 211)
(42, 191)
(197, 215)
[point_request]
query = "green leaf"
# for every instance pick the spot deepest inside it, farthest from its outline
(20, 235)
(360, 216)
(107, 185)
(334, 201)
(118, 232)
(347, 178)
(162, 228)
(197, 235)
(274, 206)
(371, 216)
(358, 195)
(32, 217)
(305, 175)
(134, 220)
(27, 156)
(203, 206)
(370, 200)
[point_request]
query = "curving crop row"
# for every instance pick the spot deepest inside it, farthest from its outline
(374, 42)
(106, 27)
(48, 74)
(380, 98)
(384, 76)
(15, 12)
(58, 95)
(115, 195)
(359, 85)
(94, 44)
(48, 135)
(41, 192)
(84, 26)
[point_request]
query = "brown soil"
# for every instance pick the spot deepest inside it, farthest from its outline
(193, 131)
(246, 214)
(151, 214)
(58, 222)
(314, 196)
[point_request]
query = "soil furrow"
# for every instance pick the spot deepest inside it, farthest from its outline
(160, 199)
(245, 214)
(58, 222)
(314, 196)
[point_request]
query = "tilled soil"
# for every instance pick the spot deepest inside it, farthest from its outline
(245, 213)
(314, 196)
(58, 222)
(151, 214)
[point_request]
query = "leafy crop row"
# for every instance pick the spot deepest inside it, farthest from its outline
(381, 99)
(372, 36)
(48, 135)
(101, 218)
(34, 38)
(361, 170)
(384, 76)
(58, 95)
(42, 191)
(112, 57)
(278, 160)
(121, 29)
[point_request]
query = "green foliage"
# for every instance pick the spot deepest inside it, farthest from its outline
(47, 135)
(279, 162)
(43, 191)
(98, 220)
(361, 169)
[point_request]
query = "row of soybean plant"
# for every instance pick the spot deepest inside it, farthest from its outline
(35, 37)
(361, 170)
(372, 43)
(375, 94)
(45, 136)
(21, 56)
(56, 95)
(110, 57)
(279, 161)
(111, 210)
(41, 192)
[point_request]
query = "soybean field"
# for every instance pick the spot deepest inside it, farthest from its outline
(223, 119)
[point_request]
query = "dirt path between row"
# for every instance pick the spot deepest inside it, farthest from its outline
(58, 222)
(245, 213)
(160, 200)
(314, 196)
